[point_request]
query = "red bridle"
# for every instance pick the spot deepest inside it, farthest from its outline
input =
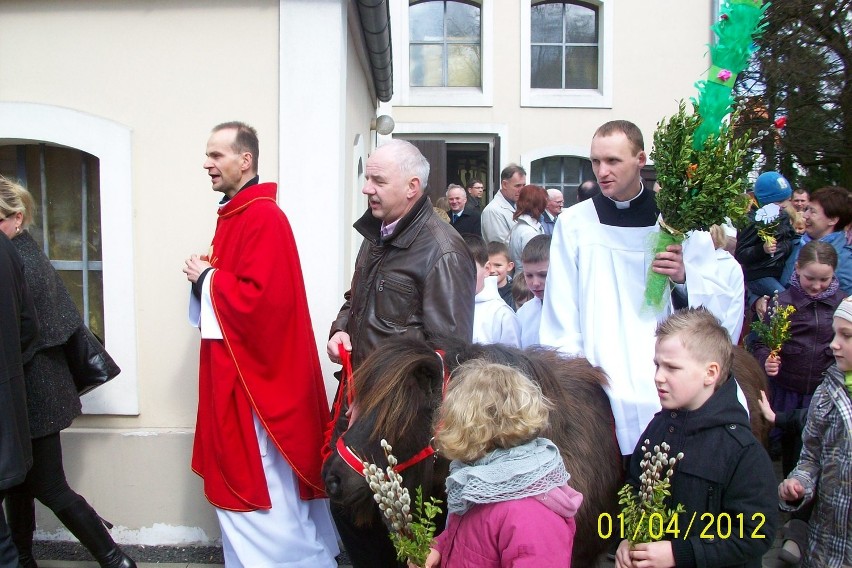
(349, 456)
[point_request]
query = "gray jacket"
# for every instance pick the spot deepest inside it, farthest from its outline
(825, 468)
(497, 220)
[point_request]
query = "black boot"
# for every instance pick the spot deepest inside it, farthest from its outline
(20, 513)
(89, 529)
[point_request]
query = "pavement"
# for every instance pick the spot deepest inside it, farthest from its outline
(769, 561)
(63, 554)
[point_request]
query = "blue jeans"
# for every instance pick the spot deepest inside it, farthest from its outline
(766, 286)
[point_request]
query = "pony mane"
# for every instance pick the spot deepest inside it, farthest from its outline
(396, 384)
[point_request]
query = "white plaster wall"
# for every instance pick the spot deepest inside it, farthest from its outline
(168, 72)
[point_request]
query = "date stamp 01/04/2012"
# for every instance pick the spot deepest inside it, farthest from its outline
(706, 526)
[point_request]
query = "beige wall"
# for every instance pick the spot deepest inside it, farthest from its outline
(168, 71)
(659, 51)
(167, 74)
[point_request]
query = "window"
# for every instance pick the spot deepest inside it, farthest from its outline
(444, 46)
(564, 46)
(566, 58)
(65, 184)
(96, 154)
(564, 173)
(443, 54)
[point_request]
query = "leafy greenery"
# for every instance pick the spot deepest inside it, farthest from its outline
(413, 544)
(777, 331)
(699, 188)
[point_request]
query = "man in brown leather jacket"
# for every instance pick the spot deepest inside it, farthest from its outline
(414, 275)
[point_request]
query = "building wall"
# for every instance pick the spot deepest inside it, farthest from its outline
(162, 73)
(658, 50)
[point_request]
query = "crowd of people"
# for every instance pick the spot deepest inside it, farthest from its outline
(520, 271)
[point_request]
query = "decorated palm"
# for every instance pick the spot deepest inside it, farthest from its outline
(700, 162)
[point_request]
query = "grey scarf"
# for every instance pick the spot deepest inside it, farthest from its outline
(527, 470)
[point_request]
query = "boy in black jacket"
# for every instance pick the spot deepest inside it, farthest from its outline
(725, 480)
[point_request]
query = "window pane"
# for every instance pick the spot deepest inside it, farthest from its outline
(93, 209)
(426, 21)
(546, 23)
(546, 67)
(426, 63)
(552, 170)
(581, 67)
(33, 184)
(571, 170)
(96, 302)
(586, 171)
(63, 173)
(73, 280)
(64, 204)
(580, 24)
(8, 161)
(536, 174)
(563, 173)
(464, 66)
(462, 22)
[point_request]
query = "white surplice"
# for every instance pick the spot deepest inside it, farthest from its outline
(493, 319)
(530, 317)
(593, 306)
(292, 534)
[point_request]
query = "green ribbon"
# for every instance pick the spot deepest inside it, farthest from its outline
(757, 3)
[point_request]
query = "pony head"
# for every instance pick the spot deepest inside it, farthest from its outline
(398, 390)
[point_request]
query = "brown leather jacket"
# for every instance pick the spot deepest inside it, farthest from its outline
(420, 281)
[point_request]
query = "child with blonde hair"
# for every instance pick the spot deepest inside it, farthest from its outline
(508, 497)
(724, 472)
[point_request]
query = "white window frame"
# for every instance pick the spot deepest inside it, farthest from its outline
(110, 142)
(406, 95)
(571, 98)
(527, 158)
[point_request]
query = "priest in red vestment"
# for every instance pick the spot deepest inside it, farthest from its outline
(262, 406)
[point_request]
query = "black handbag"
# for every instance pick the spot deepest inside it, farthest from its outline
(90, 364)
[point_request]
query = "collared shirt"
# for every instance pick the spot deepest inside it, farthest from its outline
(387, 230)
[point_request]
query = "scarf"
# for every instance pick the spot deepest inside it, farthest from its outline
(505, 475)
(830, 291)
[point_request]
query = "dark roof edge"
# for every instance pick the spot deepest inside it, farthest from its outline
(375, 24)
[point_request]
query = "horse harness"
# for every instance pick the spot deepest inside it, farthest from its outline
(347, 454)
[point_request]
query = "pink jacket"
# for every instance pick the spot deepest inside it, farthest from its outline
(534, 532)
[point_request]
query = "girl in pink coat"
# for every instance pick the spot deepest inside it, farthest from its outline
(507, 493)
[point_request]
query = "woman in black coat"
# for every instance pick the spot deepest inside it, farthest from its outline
(18, 333)
(52, 399)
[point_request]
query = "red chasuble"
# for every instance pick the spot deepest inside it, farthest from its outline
(267, 360)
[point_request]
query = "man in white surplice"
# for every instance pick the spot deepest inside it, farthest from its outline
(598, 262)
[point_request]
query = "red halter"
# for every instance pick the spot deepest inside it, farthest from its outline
(351, 459)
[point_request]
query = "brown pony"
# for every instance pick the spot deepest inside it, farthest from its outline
(398, 391)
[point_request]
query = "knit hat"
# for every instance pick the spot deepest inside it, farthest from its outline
(771, 187)
(844, 310)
